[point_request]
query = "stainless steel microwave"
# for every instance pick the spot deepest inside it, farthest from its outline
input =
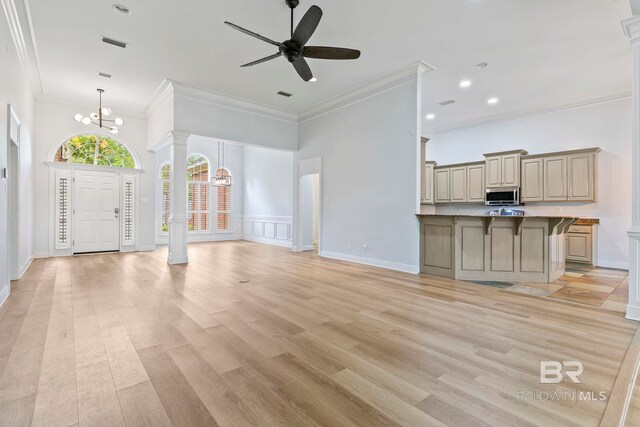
(502, 196)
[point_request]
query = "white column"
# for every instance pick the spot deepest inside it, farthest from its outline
(632, 29)
(178, 216)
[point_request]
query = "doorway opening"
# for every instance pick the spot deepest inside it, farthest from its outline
(309, 212)
(13, 196)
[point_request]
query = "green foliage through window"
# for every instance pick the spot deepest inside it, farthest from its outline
(95, 150)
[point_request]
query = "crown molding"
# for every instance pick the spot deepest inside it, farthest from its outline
(215, 98)
(620, 93)
(21, 29)
(631, 27)
(360, 93)
(162, 95)
(57, 103)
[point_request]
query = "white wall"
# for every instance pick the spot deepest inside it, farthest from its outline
(233, 161)
(198, 117)
(268, 195)
(54, 125)
(369, 178)
(15, 90)
(606, 125)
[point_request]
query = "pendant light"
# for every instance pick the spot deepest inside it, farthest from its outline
(221, 177)
(99, 119)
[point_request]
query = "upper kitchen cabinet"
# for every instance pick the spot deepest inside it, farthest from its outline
(532, 180)
(461, 183)
(560, 177)
(476, 189)
(427, 187)
(503, 169)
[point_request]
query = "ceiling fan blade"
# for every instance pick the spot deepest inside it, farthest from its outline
(307, 26)
(303, 69)
(260, 61)
(326, 52)
(252, 34)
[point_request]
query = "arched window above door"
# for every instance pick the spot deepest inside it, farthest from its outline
(95, 149)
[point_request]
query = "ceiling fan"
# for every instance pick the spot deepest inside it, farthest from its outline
(295, 49)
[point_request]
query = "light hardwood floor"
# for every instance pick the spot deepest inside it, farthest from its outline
(249, 334)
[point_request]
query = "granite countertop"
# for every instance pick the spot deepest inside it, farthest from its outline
(581, 221)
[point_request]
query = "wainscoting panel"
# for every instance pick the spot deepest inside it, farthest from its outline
(273, 230)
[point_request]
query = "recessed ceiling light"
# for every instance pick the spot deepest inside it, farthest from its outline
(313, 79)
(492, 101)
(121, 9)
(431, 116)
(482, 65)
(465, 83)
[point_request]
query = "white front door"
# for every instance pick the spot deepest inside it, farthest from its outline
(96, 198)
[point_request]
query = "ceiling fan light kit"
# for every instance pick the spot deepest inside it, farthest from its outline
(295, 49)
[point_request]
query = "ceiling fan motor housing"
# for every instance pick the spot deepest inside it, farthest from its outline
(292, 3)
(290, 50)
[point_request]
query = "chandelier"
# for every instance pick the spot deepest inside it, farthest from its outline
(221, 177)
(99, 119)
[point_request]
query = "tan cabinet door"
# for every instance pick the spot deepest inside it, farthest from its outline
(427, 185)
(555, 178)
(511, 170)
(441, 178)
(458, 177)
(581, 177)
(493, 172)
(475, 183)
(579, 247)
(532, 180)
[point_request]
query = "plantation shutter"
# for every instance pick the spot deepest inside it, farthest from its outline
(62, 211)
(223, 222)
(128, 206)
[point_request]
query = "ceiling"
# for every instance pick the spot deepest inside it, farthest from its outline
(541, 54)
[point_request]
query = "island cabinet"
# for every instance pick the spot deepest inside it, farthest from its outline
(569, 176)
(507, 249)
(503, 169)
(462, 183)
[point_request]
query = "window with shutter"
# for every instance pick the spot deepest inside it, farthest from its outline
(165, 196)
(223, 205)
(128, 214)
(63, 214)
(198, 187)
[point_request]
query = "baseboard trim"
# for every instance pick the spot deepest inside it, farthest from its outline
(4, 294)
(619, 399)
(146, 248)
(308, 248)
(633, 313)
(614, 265)
(178, 260)
(40, 255)
(25, 268)
(268, 241)
(389, 265)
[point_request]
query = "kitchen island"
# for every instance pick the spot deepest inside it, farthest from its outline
(493, 248)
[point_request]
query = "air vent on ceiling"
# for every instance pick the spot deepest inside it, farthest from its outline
(447, 102)
(113, 42)
(105, 75)
(286, 94)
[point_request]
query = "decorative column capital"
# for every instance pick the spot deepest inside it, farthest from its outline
(177, 137)
(631, 27)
